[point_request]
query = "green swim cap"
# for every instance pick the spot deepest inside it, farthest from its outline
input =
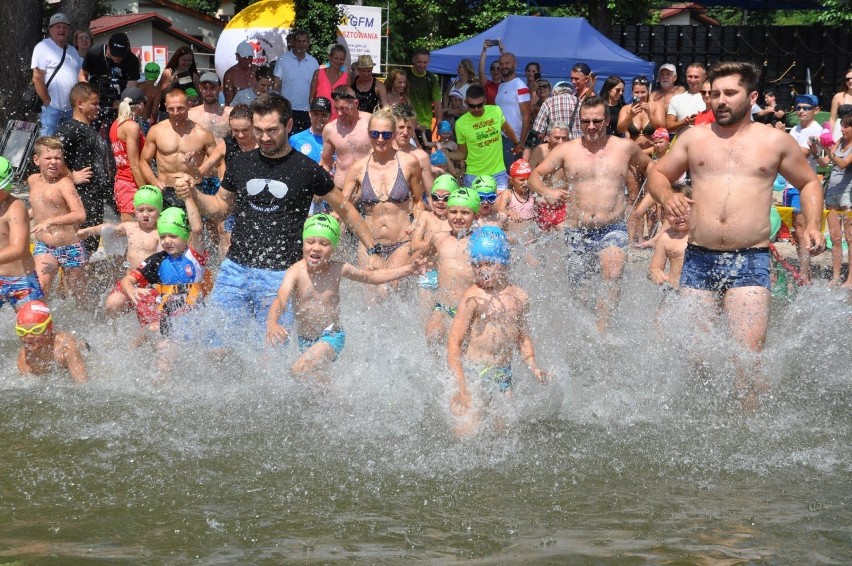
(445, 182)
(484, 184)
(148, 194)
(465, 197)
(191, 93)
(173, 221)
(7, 174)
(774, 222)
(322, 226)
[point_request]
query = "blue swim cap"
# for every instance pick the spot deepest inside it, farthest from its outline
(489, 243)
(438, 158)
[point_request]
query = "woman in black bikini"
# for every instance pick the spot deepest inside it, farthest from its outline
(388, 187)
(638, 119)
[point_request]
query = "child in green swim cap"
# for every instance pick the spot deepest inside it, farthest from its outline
(313, 284)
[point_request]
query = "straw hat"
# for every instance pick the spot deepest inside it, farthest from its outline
(364, 62)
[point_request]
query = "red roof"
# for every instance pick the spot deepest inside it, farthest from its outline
(696, 11)
(108, 24)
(180, 8)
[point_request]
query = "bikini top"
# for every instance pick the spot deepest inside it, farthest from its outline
(635, 132)
(400, 191)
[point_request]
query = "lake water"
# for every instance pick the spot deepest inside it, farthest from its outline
(633, 455)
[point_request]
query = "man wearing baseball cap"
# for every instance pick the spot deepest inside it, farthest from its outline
(309, 141)
(666, 78)
(114, 60)
(241, 75)
(211, 115)
(54, 53)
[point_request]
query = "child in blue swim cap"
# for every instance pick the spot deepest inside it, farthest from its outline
(482, 351)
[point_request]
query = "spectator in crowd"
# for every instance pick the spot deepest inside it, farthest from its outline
(53, 53)
(370, 93)
(513, 98)
(806, 133)
(397, 87)
(82, 41)
(496, 77)
(771, 113)
(113, 64)
(466, 76)
(706, 116)
(532, 74)
(295, 70)
(562, 107)
(477, 135)
(843, 97)
(612, 92)
(151, 74)
(683, 108)
(345, 140)
(838, 200)
(127, 141)
(424, 91)
(581, 78)
(326, 79)
(636, 120)
(666, 79)
(542, 92)
(211, 115)
(181, 71)
(264, 79)
(309, 142)
(241, 75)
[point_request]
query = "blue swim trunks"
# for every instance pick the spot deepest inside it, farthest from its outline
(333, 336)
(499, 377)
(72, 255)
(429, 280)
(19, 290)
(585, 244)
(209, 185)
(718, 271)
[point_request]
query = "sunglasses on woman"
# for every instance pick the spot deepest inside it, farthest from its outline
(36, 330)
(384, 135)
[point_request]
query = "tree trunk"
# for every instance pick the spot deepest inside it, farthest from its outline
(23, 29)
(80, 12)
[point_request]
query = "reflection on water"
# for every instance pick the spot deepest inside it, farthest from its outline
(635, 454)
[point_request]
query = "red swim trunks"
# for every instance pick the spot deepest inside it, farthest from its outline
(548, 216)
(146, 308)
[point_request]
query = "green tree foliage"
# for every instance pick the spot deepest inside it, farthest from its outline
(209, 7)
(321, 20)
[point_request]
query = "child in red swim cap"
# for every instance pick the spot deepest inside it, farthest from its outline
(42, 348)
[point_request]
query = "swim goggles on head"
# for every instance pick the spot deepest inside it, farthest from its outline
(36, 330)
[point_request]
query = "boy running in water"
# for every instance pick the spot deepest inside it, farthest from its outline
(492, 321)
(18, 281)
(314, 285)
(449, 249)
(670, 247)
(486, 187)
(57, 210)
(142, 241)
(430, 223)
(42, 348)
(176, 274)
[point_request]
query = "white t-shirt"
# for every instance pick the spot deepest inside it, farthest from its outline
(296, 78)
(802, 135)
(46, 56)
(685, 104)
(510, 95)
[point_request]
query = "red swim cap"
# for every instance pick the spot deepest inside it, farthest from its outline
(33, 312)
(520, 169)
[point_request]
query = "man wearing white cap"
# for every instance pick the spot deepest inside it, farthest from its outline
(55, 54)
(666, 79)
(241, 75)
(295, 69)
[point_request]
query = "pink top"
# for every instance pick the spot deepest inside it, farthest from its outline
(324, 87)
(525, 210)
(119, 150)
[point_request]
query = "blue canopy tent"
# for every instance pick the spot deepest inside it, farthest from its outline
(556, 43)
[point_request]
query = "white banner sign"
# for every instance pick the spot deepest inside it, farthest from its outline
(361, 32)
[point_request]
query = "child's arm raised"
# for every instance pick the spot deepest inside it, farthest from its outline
(379, 276)
(460, 402)
(193, 216)
(275, 333)
(76, 213)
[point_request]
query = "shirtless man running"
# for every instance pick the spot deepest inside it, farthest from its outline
(178, 144)
(344, 140)
(733, 164)
(597, 167)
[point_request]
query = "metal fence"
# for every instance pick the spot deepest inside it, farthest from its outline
(784, 53)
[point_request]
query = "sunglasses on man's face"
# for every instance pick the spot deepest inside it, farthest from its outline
(804, 108)
(384, 135)
(595, 121)
(474, 106)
